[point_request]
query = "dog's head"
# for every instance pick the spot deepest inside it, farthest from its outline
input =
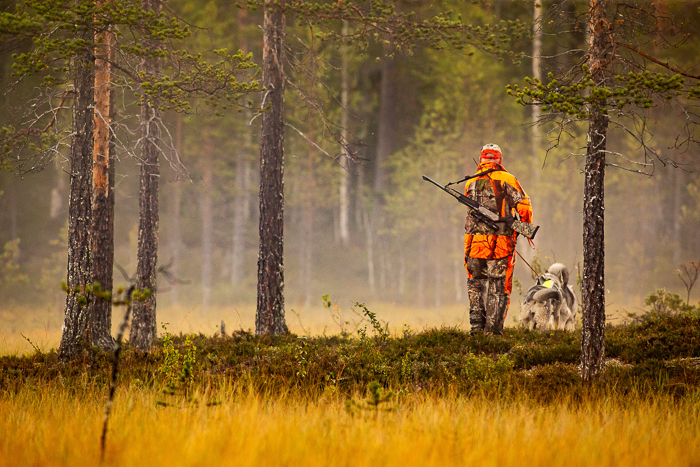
(548, 287)
(561, 271)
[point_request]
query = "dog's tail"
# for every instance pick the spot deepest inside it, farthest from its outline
(545, 294)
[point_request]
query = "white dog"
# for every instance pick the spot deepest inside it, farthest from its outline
(551, 303)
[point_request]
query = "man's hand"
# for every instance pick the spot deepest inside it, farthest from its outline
(509, 219)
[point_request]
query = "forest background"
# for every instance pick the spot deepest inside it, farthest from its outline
(424, 113)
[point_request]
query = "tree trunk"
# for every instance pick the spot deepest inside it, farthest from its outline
(385, 146)
(536, 110)
(421, 269)
(677, 207)
(344, 166)
(371, 282)
(458, 268)
(14, 209)
(241, 203)
(239, 218)
(308, 228)
(76, 332)
(269, 318)
(58, 193)
(593, 286)
(175, 204)
(207, 220)
(103, 191)
(143, 328)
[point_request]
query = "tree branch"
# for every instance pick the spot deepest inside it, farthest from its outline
(658, 62)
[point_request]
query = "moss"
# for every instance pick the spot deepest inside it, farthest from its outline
(654, 354)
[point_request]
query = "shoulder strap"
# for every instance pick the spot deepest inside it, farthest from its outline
(469, 177)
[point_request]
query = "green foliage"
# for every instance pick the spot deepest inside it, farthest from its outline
(10, 275)
(376, 397)
(381, 331)
(578, 95)
(178, 367)
(665, 303)
(62, 30)
(659, 354)
(379, 20)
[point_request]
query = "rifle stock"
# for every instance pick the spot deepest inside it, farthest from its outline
(485, 215)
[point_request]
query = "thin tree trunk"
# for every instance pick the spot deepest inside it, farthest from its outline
(438, 271)
(241, 202)
(308, 228)
(207, 220)
(385, 146)
(76, 332)
(344, 167)
(14, 209)
(175, 213)
(421, 269)
(371, 282)
(402, 274)
(57, 193)
(677, 206)
(536, 110)
(269, 318)
(239, 221)
(143, 328)
(593, 286)
(103, 173)
(458, 268)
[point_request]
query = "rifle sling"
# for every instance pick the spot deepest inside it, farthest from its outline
(469, 177)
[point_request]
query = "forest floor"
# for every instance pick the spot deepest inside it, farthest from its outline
(436, 396)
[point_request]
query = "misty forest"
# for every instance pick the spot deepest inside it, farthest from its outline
(213, 212)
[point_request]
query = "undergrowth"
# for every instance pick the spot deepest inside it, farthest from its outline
(659, 353)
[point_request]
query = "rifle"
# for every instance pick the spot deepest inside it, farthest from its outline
(485, 215)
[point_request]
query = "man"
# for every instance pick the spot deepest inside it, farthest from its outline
(488, 254)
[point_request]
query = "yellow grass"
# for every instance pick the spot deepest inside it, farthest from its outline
(43, 326)
(48, 427)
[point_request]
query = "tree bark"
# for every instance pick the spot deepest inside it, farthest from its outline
(593, 285)
(76, 322)
(344, 167)
(207, 220)
(269, 318)
(103, 190)
(143, 328)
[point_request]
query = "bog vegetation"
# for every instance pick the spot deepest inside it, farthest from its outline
(368, 397)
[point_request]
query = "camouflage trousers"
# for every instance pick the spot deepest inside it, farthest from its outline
(488, 317)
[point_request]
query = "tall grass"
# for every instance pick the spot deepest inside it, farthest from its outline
(51, 425)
